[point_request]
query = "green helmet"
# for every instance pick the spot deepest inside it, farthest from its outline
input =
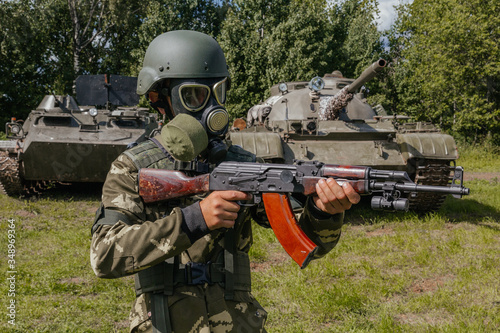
(181, 54)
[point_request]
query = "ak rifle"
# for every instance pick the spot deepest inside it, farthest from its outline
(272, 183)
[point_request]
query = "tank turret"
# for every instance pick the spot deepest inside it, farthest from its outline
(328, 119)
(345, 95)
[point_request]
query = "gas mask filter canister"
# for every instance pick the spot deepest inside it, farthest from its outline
(184, 137)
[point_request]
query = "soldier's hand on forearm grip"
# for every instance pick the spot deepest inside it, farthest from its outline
(220, 208)
(332, 198)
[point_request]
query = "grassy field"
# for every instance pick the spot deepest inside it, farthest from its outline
(391, 272)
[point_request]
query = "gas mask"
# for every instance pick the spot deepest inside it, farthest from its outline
(201, 100)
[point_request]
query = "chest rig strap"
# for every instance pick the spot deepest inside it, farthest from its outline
(165, 276)
(193, 166)
(159, 282)
(152, 154)
(229, 256)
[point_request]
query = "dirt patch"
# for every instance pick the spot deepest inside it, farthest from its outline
(121, 325)
(91, 210)
(276, 258)
(429, 285)
(24, 213)
(380, 232)
(74, 280)
(425, 319)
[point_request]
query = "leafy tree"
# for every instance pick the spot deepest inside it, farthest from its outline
(45, 44)
(358, 39)
(449, 66)
(101, 34)
(112, 50)
(247, 25)
(391, 86)
(165, 15)
(25, 62)
(267, 42)
(300, 47)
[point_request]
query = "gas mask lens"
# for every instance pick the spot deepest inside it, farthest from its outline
(220, 91)
(195, 96)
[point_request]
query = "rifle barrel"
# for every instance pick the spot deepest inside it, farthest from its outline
(405, 187)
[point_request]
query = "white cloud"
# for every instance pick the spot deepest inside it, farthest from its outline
(388, 12)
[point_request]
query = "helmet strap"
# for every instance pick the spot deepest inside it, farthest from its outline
(172, 114)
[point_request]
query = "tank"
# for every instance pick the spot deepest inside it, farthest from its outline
(66, 142)
(328, 119)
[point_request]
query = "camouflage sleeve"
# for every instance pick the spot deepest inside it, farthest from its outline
(134, 242)
(322, 228)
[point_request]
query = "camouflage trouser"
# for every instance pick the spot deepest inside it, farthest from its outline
(204, 309)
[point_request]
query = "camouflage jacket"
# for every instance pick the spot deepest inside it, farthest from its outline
(143, 235)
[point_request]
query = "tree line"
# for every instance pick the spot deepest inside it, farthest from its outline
(443, 54)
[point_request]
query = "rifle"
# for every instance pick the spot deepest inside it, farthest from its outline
(271, 183)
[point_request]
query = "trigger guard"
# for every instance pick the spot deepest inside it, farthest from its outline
(250, 203)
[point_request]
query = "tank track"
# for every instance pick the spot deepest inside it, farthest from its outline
(11, 182)
(433, 172)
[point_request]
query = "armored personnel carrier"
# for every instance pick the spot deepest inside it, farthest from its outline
(328, 119)
(62, 141)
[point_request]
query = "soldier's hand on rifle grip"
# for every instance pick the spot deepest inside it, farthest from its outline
(332, 198)
(220, 210)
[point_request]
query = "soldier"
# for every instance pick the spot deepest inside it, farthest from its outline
(190, 256)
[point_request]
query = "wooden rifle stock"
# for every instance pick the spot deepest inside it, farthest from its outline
(158, 185)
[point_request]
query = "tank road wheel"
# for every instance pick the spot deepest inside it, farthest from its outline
(432, 172)
(10, 181)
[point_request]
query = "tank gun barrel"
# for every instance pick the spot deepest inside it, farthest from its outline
(367, 75)
(344, 96)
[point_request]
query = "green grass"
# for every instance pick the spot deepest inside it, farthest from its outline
(394, 273)
(56, 290)
(478, 158)
(391, 272)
